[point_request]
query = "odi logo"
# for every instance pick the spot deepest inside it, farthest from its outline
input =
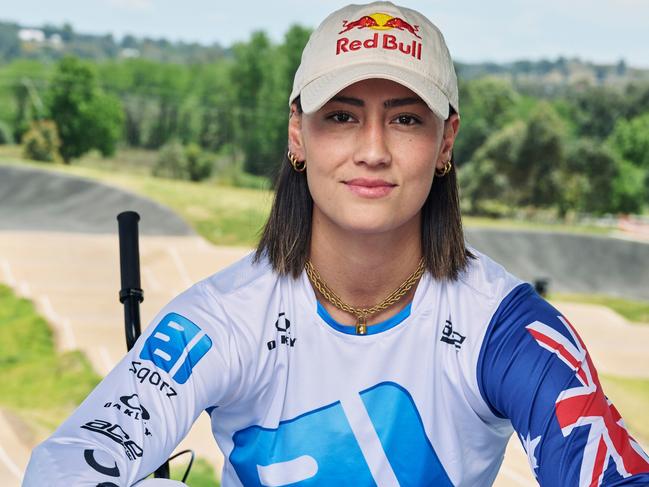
(176, 346)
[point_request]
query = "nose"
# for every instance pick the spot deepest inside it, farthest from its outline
(372, 148)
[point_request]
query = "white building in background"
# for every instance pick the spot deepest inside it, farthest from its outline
(31, 35)
(56, 41)
(129, 52)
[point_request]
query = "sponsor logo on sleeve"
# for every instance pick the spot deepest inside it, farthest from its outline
(176, 346)
(116, 433)
(145, 374)
(130, 406)
(283, 327)
(109, 470)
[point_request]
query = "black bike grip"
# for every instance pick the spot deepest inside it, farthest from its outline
(129, 252)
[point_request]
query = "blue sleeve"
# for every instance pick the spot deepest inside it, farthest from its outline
(534, 370)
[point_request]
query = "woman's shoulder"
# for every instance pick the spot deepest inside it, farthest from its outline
(246, 284)
(246, 273)
(486, 278)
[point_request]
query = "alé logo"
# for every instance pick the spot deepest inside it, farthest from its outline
(375, 437)
(379, 40)
(176, 346)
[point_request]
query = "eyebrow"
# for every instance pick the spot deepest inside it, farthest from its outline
(400, 102)
(391, 103)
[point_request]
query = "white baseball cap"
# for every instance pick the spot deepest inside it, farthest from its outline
(376, 40)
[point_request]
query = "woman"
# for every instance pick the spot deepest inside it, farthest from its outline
(362, 344)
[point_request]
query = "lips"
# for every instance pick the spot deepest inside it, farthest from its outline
(369, 188)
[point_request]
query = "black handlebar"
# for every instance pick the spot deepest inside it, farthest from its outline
(131, 294)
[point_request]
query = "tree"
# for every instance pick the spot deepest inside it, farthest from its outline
(291, 50)
(540, 156)
(630, 139)
(596, 110)
(169, 83)
(637, 99)
(488, 176)
(254, 77)
(486, 107)
(217, 121)
(9, 42)
(86, 118)
(588, 178)
(518, 165)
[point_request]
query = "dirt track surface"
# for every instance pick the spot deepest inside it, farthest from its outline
(71, 271)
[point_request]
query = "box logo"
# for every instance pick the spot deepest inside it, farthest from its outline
(176, 346)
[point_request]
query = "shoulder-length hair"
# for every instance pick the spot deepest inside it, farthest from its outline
(286, 237)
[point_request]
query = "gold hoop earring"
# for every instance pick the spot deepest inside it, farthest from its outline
(445, 170)
(299, 166)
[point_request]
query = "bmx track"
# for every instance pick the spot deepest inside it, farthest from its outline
(58, 247)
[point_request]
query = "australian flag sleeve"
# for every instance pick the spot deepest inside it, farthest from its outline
(534, 369)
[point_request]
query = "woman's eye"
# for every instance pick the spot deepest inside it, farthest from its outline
(407, 120)
(341, 117)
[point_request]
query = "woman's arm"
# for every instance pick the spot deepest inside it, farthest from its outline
(535, 370)
(136, 416)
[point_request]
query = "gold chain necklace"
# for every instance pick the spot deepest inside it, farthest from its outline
(362, 314)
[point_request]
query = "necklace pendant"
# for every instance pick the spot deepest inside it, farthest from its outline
(361, 326)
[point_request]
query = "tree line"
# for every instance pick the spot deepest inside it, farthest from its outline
(584, 150)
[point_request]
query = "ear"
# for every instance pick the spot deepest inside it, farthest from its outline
(295, 139)
(451, 128)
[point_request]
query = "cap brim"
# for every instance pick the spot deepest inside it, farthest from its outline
(315, 94)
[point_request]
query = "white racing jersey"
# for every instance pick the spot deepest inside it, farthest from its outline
(429, 397)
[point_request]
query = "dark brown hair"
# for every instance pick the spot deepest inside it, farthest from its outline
(286, 237)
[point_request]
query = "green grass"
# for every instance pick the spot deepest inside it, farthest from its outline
(630, 397)
(633, 311)
(39, 385)
(201, 475)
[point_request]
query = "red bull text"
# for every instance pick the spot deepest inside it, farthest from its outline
(379, 41)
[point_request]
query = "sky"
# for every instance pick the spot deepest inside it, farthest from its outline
(601, 31)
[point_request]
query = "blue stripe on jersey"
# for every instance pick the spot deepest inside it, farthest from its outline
(412, 457)
(372, 329)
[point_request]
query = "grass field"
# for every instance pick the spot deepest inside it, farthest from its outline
(633, 311)
(40, 387)
(631, 398)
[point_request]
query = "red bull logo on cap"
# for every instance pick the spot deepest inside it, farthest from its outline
(380, 22)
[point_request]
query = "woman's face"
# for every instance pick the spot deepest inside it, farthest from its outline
(371, 155)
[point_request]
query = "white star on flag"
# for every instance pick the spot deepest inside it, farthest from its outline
(530, 446)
